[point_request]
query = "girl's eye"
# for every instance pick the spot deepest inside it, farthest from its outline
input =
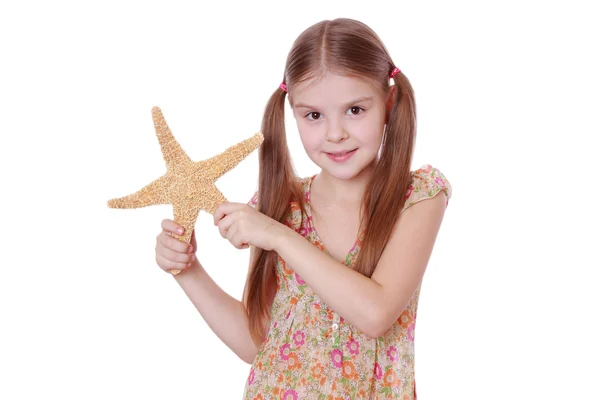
(313, 114)
(355, 108)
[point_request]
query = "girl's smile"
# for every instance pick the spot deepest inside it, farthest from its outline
(341, 156)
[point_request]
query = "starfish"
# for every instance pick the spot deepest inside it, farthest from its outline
(188, 185)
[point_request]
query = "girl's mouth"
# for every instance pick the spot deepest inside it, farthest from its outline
(341, 156)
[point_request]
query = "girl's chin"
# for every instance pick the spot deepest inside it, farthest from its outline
(341, 172)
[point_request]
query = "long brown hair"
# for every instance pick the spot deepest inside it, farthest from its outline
(345, 47)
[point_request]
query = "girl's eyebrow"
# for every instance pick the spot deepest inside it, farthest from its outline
(363, 98)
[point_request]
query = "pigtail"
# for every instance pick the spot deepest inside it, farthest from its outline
(278, 185)
(385, 195)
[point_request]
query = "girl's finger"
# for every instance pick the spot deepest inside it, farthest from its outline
(166, 264)
(170, 226)
(225, 225)
(224, 209)
(174, 255)
(236, 240)
(174, 244)
(238, 243)
(234, 237)
(218, 215)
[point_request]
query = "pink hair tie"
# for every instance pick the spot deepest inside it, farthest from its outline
(283, 86)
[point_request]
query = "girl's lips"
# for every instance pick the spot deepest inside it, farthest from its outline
(341, 157)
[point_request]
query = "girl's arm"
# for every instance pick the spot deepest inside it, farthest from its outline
(370, 304)
(224, 314)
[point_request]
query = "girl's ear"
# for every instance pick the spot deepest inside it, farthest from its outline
(390, 97)
(390, 100)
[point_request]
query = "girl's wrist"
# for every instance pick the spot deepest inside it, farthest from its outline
(281, 235)
(195, 265)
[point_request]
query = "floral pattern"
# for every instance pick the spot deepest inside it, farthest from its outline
(310, 352)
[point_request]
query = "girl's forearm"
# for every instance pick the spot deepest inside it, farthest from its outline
(354, 296)
(224, 314)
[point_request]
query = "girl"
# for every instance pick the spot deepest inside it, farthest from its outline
(337, 259)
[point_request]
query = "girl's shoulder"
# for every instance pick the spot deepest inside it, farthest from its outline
(427, 182)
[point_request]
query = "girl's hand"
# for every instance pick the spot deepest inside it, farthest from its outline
(243, 225)
(172, 253)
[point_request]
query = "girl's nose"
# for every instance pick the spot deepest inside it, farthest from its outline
(336, 133)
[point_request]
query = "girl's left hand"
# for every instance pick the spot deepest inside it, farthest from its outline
(243, 225)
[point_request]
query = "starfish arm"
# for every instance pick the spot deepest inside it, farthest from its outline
(173, 154)
(213, 199)
(151, 194)
(186, 217)
(187, 209)
(217, 166)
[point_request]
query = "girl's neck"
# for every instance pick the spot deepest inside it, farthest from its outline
(332, 192)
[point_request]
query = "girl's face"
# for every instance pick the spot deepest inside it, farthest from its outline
(341, 121)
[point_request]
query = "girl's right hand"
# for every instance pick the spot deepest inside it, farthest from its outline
(172, 253)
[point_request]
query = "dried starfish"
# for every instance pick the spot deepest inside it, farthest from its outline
(188, 185)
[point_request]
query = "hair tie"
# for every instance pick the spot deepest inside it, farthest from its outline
(283, 87)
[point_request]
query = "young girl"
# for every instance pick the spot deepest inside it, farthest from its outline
(337, 259)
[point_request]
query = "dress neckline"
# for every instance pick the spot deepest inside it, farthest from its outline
(311, 226)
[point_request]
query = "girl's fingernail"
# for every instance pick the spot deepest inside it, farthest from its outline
(180, 230)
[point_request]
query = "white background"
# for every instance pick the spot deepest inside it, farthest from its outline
(508, 110)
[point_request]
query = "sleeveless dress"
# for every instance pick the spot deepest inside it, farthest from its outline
(310, 352)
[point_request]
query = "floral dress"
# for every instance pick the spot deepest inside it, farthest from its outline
(310, 352)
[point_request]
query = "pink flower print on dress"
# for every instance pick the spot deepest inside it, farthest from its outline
(290, 395)
(251, 377)
(303, 231)
(336, 358)
(309, 224)
(353, 347)
(392, 353)
(299, 338)
(378, 371)
(284, 351)
(411, 332)
(299, 279)
(440, 182)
